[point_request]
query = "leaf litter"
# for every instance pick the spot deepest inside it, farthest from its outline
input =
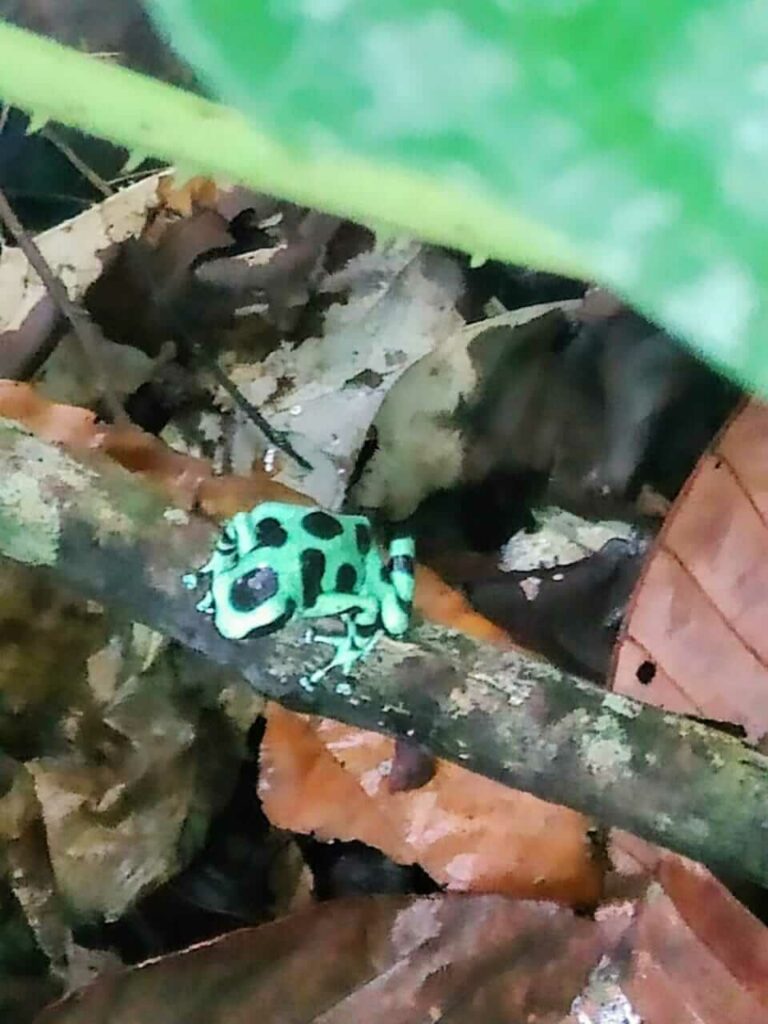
(360, 354)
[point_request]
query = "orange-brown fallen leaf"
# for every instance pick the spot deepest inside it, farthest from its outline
(684, 952)
(188, 481)
(467, 832)
(695, 639)
(438, 602)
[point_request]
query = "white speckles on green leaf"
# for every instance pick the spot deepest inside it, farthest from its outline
(698, 829)
(664, 823)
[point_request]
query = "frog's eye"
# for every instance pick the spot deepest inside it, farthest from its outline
(253, 589)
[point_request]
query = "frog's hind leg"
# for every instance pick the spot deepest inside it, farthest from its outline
(351, 647)
(402, 567)
(360, 622)
(399, 585)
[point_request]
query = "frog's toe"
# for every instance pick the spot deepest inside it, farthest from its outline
(320, 673)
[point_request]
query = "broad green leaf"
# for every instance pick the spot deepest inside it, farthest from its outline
(634, 135)
(154, 119)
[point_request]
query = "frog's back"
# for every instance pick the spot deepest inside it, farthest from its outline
(302, 527)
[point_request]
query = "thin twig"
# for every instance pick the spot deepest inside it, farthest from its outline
(132, 176)
(85, 330)
(276, 437)
(5, 113)
(77, 162)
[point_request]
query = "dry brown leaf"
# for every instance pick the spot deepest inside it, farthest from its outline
(695, 639)
(78, 251)
(393, 305)
(441, 424)
(685, 952)
(698, 957)
(390, 960)
(74, 250)
(469, 833)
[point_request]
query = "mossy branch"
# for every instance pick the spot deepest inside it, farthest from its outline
(499, 713)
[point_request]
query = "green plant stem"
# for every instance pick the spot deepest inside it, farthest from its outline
(44, 78)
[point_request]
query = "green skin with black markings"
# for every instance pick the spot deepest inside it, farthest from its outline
(279, 561)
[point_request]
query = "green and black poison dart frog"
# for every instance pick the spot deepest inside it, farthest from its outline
(279, 561)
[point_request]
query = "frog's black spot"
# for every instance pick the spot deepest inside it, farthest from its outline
(363, 537)
(253, 589)
(402, 563)
(270, 533)
(367, 629)
(312, 569)
(226, 542)
(405, 605)
(346, 579)
(386, 574)
(272, 627)
(321, 525)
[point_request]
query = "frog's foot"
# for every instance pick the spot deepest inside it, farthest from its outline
(336, 640)
(349, 651)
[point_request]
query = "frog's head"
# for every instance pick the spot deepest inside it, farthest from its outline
(251, 599)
